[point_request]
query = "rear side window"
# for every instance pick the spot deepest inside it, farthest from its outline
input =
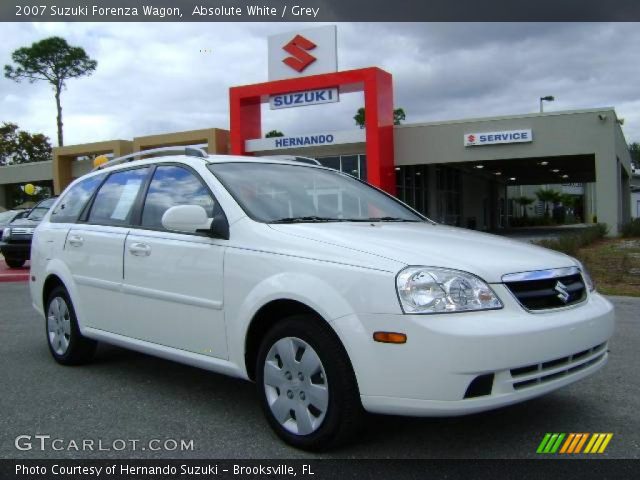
(116, 198)
(71, 205)
(171, 186)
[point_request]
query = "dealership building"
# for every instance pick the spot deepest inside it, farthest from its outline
(460, 172)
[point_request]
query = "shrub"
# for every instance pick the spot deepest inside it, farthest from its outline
(631, 229)
(531, 222)
(571, 243)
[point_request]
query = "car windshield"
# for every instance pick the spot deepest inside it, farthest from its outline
(41, 209)
(281, 193)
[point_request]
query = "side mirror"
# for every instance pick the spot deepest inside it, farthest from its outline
(186, 218)
(219, 227)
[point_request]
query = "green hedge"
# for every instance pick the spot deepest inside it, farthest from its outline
(571, 243)
(631, 229)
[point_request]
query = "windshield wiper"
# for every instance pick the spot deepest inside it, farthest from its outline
(309, 219)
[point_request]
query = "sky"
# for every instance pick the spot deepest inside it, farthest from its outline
(160, 78)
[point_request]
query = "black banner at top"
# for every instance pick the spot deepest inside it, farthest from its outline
(318, 10)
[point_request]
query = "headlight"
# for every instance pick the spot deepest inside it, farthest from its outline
(440, 290)
(6, 234)
(587, 278)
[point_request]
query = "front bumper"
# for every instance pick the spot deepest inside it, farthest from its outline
(523, 355)
(20, 249)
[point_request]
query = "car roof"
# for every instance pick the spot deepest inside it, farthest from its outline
(209, 160)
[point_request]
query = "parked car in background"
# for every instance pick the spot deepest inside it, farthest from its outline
(11, 215)
(16, 235)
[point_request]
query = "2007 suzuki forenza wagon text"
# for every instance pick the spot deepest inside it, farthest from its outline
(334, 297)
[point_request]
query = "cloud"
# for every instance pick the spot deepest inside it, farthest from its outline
(155, 78)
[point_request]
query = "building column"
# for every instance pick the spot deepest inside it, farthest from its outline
(607, 189)
(625, 196)
(589, 202)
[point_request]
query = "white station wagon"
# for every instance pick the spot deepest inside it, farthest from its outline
(332, 296)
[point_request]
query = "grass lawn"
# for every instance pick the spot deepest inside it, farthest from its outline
(614, 265)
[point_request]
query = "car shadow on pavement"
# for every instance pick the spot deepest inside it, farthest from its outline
(513, 431)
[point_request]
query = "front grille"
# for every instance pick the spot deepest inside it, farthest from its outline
(21, 231)
(531, 375)
(553, 289)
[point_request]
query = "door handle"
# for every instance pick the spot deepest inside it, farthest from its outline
(75, 240)
(140, 249)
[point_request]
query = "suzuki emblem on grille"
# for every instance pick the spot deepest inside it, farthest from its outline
(563, 292)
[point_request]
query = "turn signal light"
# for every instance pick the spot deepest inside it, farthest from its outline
(390, 337)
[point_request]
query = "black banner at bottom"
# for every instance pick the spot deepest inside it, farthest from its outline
(318, 469)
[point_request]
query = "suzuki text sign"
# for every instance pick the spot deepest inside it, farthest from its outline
(303, 52)
(492, 138)
(300, 99)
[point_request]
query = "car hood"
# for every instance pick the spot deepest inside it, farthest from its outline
(488, 256)
(24, 222)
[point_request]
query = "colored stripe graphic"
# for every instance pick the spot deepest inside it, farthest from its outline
(598, 443)
(550, 443)
(543, 443)
(567, 442)
(553, 443)
(581, 443)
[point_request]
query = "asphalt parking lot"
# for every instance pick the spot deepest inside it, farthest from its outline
(128, 396)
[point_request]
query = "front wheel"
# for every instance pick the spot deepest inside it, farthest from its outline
(13, 262)
(306, 384)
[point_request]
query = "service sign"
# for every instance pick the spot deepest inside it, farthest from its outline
(303, 52)
(301, 99)
(493, 138)
(306, 140)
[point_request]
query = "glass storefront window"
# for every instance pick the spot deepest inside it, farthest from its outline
(411, 186)
(330, 162)
(355, 165)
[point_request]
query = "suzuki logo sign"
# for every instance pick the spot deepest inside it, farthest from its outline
(305, 52)
(297, 48)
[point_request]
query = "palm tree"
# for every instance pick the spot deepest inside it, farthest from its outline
(546, 196)
(524, 202)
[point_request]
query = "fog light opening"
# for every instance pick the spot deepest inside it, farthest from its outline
(480, 386)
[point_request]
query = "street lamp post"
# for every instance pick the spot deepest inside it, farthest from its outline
(548, 98)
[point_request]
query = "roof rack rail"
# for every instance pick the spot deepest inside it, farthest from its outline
(294, 158)
(189, 151)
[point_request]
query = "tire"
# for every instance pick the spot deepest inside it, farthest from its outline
(66, 343)
(306, 384)
(13, 262)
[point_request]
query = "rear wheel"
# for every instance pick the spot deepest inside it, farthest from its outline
(306, 384)
(66, 343)
(14, 262)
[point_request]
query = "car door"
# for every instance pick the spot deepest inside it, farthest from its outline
(173, 282)
(94, 248)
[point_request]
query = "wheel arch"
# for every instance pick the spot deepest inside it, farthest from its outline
(267, 316)
(51, 282)
(57, 273)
